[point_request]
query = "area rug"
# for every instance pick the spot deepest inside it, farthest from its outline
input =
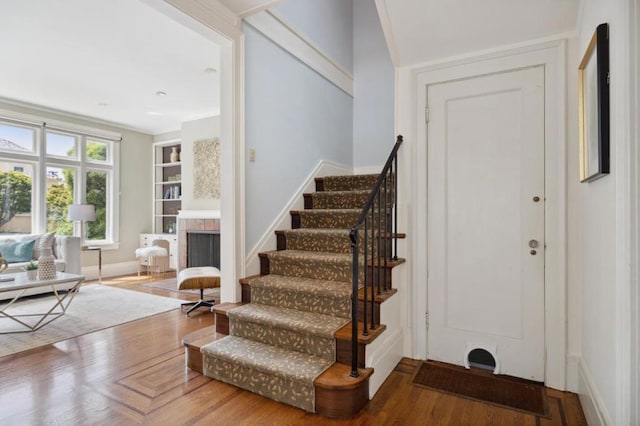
(94, 308)
(512, 393)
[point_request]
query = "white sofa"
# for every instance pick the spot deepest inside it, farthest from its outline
(66, 250)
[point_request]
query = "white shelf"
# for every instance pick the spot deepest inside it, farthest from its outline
(164, 169)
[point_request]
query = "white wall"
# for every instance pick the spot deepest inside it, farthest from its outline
(327, 23)
(294, 119)
(192, 131)
(374, 89)
(601, 246)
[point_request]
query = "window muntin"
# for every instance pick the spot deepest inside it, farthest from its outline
(75, 168)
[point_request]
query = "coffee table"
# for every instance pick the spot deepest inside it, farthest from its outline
(11, 311)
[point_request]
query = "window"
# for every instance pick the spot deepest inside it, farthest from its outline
(44, 169)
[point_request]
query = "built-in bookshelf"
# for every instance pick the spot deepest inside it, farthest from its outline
(167, 187)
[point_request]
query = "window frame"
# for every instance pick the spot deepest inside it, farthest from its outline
(81, 164)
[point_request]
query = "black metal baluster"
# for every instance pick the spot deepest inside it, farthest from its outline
(365, 331)
(354, 303)
(385, 240)
(371, 269)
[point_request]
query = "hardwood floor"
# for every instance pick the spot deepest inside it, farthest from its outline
(135, 374)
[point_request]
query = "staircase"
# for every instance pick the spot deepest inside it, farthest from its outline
(292, 339)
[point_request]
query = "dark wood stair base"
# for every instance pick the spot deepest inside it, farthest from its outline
(222, 320)
(338, 395)
(193, 342)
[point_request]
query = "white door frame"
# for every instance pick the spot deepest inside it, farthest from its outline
(222, 26)
(552, 56)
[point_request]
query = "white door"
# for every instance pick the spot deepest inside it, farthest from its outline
(486, 220)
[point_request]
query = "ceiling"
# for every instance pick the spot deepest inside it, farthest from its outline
(108, 59)
(428, 30)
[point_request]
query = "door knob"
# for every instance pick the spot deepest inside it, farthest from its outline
(533, 243)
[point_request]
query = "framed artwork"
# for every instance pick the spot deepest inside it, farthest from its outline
(593, 110)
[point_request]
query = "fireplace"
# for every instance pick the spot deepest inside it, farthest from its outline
(203, 249)
(205, 227)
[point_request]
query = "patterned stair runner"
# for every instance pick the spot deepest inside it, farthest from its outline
(284, 339)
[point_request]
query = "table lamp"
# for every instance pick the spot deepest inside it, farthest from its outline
(82, 213)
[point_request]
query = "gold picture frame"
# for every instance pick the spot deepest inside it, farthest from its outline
(593, 109)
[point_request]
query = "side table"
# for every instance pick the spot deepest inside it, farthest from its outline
(99, 250)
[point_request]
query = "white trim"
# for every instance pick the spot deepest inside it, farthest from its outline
(198, 214)
(210, 13)
(204, 16)
(68, 126)
(494, 53)
(246, 8)
(387, 30)
(367, 170)
(593, 406)
(56, 125)
(551, 55)
(278, 30)
(634, 137)
(383, 355)
(622, 172)
(283, 220)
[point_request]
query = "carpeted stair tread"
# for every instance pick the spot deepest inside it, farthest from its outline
(319, 265)
(327, 218)
(289, 319)
(349, 182)
(338, 199)
(280, 374)
(305, 294)
(322, 240)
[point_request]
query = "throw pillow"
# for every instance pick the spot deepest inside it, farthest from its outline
(19, 251)
(45, 241)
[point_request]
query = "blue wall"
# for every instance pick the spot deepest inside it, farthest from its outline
(373, 88)
(327, 23)
(294, 119)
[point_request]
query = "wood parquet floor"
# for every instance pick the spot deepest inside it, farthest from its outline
(135, 374)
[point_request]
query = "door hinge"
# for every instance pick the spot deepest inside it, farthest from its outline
(426, 115)
(426, 319)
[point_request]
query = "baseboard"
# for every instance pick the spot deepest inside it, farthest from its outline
(573, 362)
(283, 221)
(110, 270)
(593, 405)
(367, 170)
(383, 355)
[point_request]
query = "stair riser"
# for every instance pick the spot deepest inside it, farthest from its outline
(323, 220)
(287, 339)
(334, 200)
(319, 219)
(308, 268)
(319, 243)
(347, 183)
(247, 291)
(340, 307)
(343, 352)
(277, 388)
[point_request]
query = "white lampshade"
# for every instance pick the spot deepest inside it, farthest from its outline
(82, 212)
